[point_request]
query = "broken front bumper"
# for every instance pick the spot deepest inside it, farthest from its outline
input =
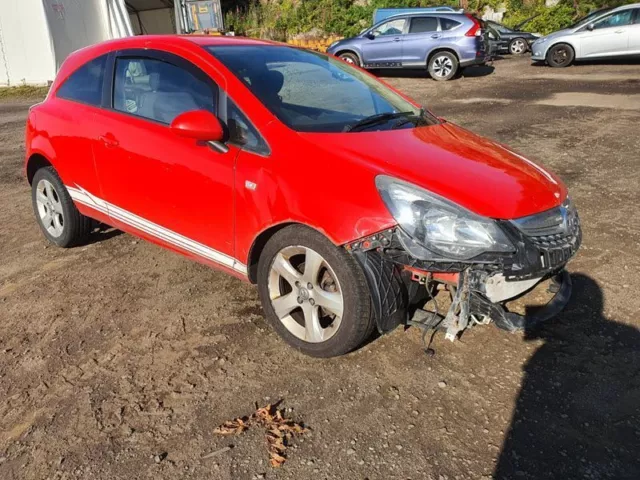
(481, 287)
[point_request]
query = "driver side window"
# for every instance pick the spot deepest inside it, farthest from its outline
(617, 19)
(159, 90)
(393, 27)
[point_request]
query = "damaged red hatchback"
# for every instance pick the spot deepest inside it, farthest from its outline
(345, 201)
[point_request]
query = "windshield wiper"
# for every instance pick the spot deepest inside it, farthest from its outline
(376, 119)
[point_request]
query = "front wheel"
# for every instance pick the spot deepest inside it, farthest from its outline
(443, 66)
(560, 55)
(314, 294)
(518, 46)
(350, 58)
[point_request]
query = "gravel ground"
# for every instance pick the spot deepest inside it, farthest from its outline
(118, 359)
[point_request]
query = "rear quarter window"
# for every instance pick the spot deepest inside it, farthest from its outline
(85, 84)
(448, 24)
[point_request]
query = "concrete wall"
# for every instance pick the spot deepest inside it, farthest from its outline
(26, 51)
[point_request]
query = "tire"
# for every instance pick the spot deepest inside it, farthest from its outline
(350, 58)
(59, 219)
(560, 55)
(443, 66)
(337, 275)
(518, 46)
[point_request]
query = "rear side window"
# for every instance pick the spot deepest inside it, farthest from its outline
(85, 84)
(448, 24)
(423, 24)
(160, 91)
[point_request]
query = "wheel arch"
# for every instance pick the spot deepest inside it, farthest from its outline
(259, 242)
(562, 42)
(442, 49)
(35, 162)
(349, 50)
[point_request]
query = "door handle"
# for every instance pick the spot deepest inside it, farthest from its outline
(396, 39)
(619, 31)
(108, 140)
(435, 35)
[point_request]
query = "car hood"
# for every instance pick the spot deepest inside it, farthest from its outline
(476, 173)
(559, 33)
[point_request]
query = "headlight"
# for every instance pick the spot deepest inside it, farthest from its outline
(437, 228)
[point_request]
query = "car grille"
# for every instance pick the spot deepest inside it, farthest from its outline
(556, 233)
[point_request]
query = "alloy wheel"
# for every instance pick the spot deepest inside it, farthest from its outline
(348, 59)
(442, 66)
(560, 56)
(518, 47)
(305, 294)
(50, 208)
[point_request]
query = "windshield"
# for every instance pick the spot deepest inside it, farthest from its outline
(311, 92)
(588, 18)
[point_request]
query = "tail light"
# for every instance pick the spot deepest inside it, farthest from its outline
(476, 29)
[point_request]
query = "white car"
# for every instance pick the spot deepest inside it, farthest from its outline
(605, 33)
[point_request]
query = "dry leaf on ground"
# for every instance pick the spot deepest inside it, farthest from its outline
(278, 430)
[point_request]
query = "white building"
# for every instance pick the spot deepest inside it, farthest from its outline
(37, 35)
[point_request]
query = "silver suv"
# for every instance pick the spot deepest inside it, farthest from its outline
(607, 33)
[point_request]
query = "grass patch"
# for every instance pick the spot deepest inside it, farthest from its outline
(23, 91)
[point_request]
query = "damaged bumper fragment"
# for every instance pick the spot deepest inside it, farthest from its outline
(400, 280)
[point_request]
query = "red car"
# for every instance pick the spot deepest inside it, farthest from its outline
(344, 200)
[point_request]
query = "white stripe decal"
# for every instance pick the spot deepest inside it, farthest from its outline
(80, 195)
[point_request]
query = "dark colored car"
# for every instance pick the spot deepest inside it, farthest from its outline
(512, 40)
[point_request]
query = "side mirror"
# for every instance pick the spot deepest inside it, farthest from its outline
(590, 27)
(199, 125)
(370, 35)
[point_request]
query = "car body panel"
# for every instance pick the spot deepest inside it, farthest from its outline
(456, 164)
(613, 41)
(212, 205)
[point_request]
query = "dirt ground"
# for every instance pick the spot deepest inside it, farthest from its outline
(118, 359)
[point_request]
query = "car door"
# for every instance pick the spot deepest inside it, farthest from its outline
(383, 44)
(609, 36)
(171, 189)
(423, 36)
(634, 34)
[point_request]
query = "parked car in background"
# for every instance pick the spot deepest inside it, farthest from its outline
(381, 14)
(441, 43)
(512, 40)
(606, 33)
(347, 203)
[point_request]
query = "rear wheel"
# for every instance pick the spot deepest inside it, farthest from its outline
(350, 58)
(518, 46)
(443, 66)
(314, 294)
(560, 55)
(59, 219)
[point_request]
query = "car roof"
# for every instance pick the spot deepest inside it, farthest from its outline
(142, 41)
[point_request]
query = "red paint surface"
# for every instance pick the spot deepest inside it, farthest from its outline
(325, 181)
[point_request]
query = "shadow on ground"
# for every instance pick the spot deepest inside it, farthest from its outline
(100, 233)
(578, 411)
(468, 72)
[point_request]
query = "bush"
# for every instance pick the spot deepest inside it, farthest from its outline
(281, 19)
